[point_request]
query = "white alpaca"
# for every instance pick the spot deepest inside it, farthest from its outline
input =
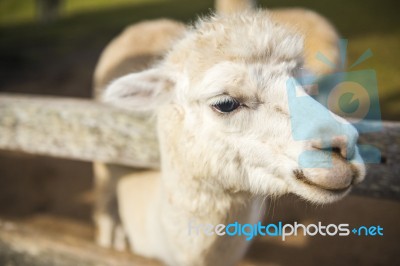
(225, 135)
(134, 50)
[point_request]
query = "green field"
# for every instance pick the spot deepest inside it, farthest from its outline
(85, 26)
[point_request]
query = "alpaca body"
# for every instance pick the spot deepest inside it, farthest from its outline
(217, 165)
(163, 226)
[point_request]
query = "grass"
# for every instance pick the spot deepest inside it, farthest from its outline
(87, 25)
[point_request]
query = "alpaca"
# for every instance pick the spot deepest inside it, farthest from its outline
(132, 51)
(223, 122)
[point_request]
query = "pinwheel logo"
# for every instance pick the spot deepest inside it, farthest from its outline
(350, 94)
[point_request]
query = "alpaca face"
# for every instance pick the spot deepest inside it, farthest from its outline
(222, 102)
(235, 131)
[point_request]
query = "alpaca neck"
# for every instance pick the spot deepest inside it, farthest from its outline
(190, 204)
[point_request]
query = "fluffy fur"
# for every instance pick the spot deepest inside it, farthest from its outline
(217, 168)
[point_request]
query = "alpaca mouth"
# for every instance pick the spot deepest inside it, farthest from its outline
(300, 176)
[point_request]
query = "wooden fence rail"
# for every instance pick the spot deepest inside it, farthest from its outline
(88, 131)
(23, 244)
(76, 129)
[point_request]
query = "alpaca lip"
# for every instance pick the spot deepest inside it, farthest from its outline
(299, 174)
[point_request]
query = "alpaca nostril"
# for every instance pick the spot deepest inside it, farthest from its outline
(343, 146)
(339, 150)
(335, 150)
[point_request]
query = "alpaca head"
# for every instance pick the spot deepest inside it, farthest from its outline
(221, 99)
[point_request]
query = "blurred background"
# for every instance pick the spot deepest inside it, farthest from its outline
(51, 48)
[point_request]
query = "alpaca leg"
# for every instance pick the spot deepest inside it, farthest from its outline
(110, 232)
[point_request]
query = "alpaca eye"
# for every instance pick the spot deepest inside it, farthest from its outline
(226, 106)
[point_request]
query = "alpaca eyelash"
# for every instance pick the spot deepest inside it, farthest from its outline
(232, 105)
(224, 99)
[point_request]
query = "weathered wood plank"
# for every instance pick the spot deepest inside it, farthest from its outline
(383, 179)
(76, 129)
(87, 130)
(23, 245)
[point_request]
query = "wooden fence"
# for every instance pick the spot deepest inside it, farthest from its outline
(90, 131)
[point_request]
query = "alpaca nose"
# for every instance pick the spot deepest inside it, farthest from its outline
(313, 122)
(338, 137)
(343, 146)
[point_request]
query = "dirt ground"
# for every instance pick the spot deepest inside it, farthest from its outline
(32, 189)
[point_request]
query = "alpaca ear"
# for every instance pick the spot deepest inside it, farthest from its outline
(142, 91)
